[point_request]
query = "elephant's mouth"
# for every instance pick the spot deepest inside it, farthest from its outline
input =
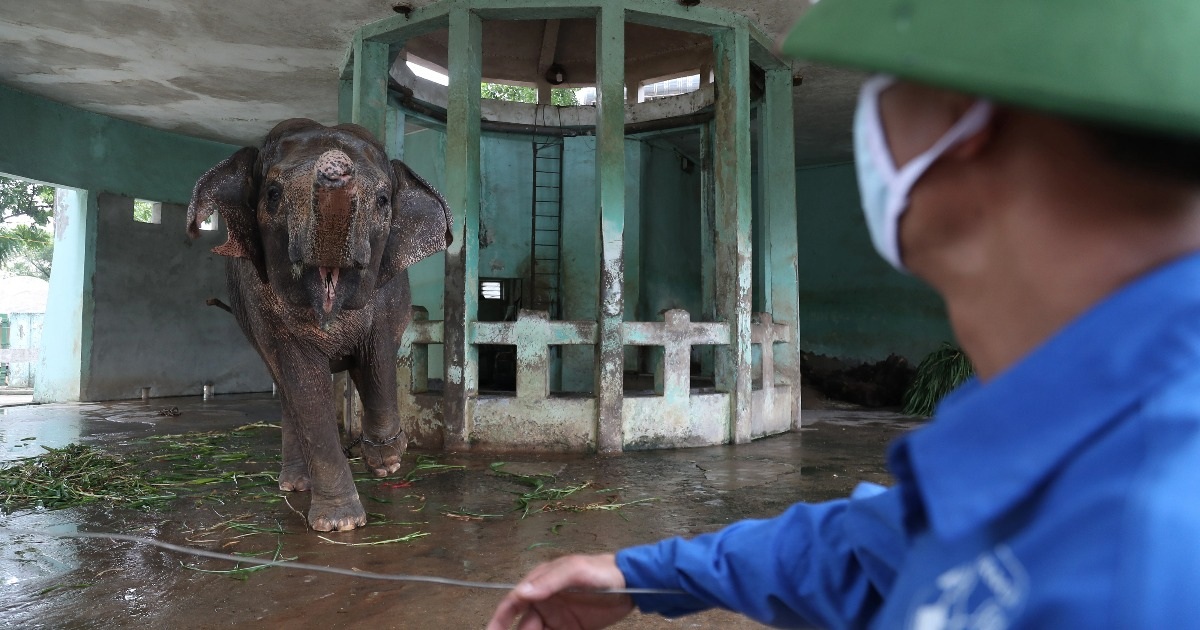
(329, 279)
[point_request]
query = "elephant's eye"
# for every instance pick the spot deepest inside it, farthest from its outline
(382, 200)
(273, 194)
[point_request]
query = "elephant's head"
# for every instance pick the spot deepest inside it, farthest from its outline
(322, 214)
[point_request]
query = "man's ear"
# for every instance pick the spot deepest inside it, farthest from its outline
(230, 189)
(421, 222)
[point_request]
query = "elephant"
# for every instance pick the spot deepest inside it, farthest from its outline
(321, 231)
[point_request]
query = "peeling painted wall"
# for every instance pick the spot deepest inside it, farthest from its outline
(852, 304)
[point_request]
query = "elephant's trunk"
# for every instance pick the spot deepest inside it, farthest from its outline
(334, 199)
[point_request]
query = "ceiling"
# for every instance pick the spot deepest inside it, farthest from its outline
(228, 71)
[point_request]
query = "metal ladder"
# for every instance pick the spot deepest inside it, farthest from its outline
(546, 242)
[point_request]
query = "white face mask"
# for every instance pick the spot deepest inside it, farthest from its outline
(885, 188)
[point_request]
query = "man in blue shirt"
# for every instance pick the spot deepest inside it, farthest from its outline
(1038, 163)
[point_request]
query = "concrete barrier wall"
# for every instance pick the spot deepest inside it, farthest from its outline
(151, 327)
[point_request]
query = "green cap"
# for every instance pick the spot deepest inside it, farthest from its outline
(1131, 62)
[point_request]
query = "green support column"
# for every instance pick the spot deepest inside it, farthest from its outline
(610, 187)
(708, 241)
(462, 193)
(345, 100)
(395, 131)
(733, 194)
(778, 172)
(369, 95)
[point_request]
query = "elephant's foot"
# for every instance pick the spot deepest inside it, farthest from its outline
(294, 478)
(383, 458)
(336, 516)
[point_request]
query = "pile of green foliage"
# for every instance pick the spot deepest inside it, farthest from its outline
(939, 373)
(158, 470)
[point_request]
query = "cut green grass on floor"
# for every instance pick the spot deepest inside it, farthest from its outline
(158, 470)
(551, 499)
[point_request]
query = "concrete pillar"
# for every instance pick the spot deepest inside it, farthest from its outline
(462, 193)
(65, 358)
(396, 119)
(345, 100)
(732, 179)
(610, 189)
(369, 95)
(777, 169)
(708, 240)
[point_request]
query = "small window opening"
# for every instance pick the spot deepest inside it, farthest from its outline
(147, 211)
(671, 87)
(491, 290)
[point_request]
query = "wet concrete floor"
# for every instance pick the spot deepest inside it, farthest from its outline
(469, 516)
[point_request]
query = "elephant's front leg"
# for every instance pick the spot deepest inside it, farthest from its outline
(293, 476)
(308, 403)
(383, 439)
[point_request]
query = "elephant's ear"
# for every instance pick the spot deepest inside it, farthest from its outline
(230, 189)
(421, 223)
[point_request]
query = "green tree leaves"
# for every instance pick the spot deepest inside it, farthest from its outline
(561, 97)
(26, 240)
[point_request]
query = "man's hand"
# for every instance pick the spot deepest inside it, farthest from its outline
(554, 596)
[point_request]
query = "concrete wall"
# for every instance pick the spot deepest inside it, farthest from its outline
(852, 304)
(670, 272)
(151, 325)
(94, 264)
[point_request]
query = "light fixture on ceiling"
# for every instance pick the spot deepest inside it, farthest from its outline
(556, 74)
(403, 8)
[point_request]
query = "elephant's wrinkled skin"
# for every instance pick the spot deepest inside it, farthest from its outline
(322, 229)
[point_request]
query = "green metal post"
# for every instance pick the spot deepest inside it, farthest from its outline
(778, 172)
(610, 187)
(396, 119)
(733, 194)
(345, 101)
(708, 241)
(462, 193)
(369, 98)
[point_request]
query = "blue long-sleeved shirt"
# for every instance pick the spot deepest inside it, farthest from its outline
(1064, 493)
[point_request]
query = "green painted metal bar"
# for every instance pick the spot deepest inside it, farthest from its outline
(762, 49)
(397, 28)
(708, 240)
(760, 281)
(396, 119)
(345, 100)
(347, 67)
(671, 14)
(462, 192)
(610, 189)
(778, 171)
(733, 195)
(534, 9)
(369, 100)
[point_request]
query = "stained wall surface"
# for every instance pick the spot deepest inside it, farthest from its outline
(151, 326)
(852, 304)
